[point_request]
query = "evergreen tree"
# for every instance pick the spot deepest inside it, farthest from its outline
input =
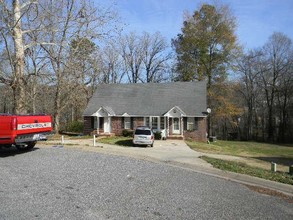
(206, 45)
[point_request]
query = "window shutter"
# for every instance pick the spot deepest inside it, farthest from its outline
(122, 122)
(195, 124)
(131, 123)
(185, 123)
(92, 122)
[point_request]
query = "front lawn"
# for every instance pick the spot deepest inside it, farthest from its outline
(258, 158)
(263, 151)
(238, 167)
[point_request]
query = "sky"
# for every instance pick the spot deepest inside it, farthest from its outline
(256, 20)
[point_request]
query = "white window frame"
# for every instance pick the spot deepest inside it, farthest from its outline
(127, 122)
(96, 122)
(146, 119)
(190, 123)
(158, 122)
(162, 123)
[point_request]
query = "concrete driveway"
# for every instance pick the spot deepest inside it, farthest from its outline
(167, 151)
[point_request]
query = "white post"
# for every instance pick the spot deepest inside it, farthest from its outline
(274, 167)
(94, 141)
(62, 139)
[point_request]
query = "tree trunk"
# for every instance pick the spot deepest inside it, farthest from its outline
(19, 82)
(57, 108)
(270, 125)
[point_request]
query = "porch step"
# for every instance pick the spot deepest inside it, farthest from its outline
(175, 137)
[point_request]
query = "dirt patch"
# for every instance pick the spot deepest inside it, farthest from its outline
(270, 192)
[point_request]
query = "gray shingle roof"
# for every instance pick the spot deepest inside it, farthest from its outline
(152, 99)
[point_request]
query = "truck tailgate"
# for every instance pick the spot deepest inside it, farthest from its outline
(34, 124)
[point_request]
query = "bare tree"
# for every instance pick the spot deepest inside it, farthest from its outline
(36, 37)
(284, 117)
(146, 57)
(112, 64)
(66, 21)
(266, 79)
(249, 75)
(6, 99)
(156, 57)
(12, 31)
(276, 53)
(132, 51)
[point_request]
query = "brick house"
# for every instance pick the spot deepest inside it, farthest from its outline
(178, 109)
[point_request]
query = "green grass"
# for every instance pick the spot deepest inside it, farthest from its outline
(121, 141)
(263, 151)
(248, 170)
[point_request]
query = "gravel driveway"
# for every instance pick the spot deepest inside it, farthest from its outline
(60, 183)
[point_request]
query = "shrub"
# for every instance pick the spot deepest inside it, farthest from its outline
(127, 133)
(158, 135)
(75, 126)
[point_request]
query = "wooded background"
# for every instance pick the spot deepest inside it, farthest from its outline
(54, 53)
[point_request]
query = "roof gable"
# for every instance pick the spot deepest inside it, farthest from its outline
(104, 111)
(175, 112)
(151, 99)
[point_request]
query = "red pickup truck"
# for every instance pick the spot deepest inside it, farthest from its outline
(23, 131)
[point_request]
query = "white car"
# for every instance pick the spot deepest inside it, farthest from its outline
(143, 136)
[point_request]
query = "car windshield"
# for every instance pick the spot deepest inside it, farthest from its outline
(144, 132)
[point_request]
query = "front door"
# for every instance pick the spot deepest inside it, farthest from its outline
(107, 125)
(176, 126)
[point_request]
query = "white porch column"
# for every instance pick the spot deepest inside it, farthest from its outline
(168, 130)
(181, 126)
(98, 125)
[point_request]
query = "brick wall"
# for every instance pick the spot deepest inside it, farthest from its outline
(200, 133)
(117, 126)
(87, 129)
(138, 122)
